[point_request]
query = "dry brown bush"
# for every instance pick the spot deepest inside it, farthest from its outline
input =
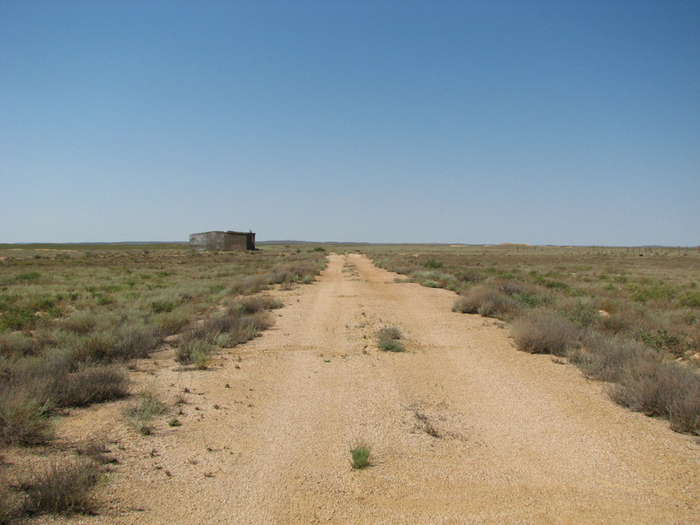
(93, 384)
(608, 358)
(544, 332)
(662, 389)
(486, 301)
(254, 304)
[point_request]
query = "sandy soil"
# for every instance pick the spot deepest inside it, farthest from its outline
(463, 428)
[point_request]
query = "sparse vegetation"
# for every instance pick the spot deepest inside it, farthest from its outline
(621, 317)
(70, 319)
(73, 318)
(97, 450)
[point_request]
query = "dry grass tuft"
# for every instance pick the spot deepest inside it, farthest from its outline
(23, 420)
(63, 488)
(544, 332)
(486, 301)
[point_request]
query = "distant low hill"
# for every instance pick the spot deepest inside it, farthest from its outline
(309, 242)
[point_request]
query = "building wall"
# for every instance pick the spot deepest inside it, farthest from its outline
(224, 241)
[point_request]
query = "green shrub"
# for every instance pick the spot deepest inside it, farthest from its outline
(582, 314)
(530, 299)
(160, 307)
(141, 415)
(690, 300)
(27, 277)
(359, 455)
(556, 285)
(433, 264)
(655, 292)
(17, 318)
(663, 341)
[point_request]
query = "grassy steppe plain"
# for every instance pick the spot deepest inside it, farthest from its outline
(628, 317)
(73, 317)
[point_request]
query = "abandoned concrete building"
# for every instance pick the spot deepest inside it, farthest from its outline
(224, 241)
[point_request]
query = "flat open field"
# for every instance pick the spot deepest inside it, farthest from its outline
(463, 427)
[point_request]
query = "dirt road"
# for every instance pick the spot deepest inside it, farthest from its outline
(463, 428)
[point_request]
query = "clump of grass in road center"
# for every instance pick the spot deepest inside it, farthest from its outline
(390, 339)
(141, 415)
(360, 456)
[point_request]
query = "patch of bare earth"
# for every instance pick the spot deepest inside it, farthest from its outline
(463, 428)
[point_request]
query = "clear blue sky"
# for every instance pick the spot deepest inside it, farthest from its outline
(542, 122)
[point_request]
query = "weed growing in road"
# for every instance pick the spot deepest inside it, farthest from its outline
(141, 415)
(390, 339)
(96, 449)
(360, 456)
